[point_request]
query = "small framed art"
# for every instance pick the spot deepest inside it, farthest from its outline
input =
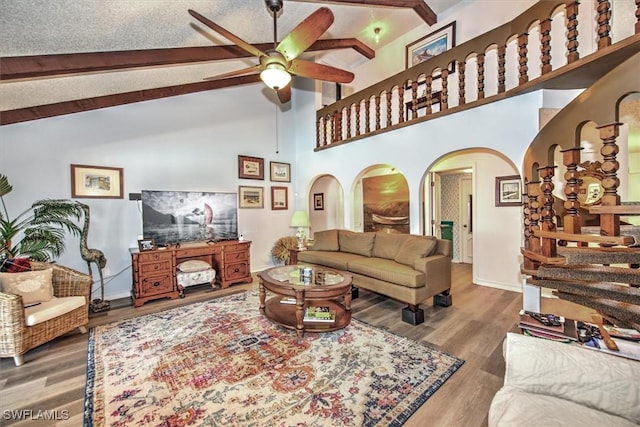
(318, 201)
(431, 45)
(280, 172)
(146, 245)
(98, 182)
(251, 197)
(250, 167)
(279, 198)
(508, 190)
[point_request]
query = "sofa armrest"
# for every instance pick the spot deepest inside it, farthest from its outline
(67, 282)
(437, 270)
(596, 380)
(12, 323)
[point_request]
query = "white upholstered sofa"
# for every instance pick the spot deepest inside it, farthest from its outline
(547, 383)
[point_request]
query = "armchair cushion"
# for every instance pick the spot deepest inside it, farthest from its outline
(51, 309)
(33, 286)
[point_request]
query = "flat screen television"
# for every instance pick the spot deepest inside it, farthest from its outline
(170, 217)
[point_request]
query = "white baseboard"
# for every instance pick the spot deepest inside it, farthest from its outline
(504, 286)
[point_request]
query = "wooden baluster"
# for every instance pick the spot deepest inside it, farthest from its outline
(637, 16)
(358, 119)
(572, 32)
(610, 223)
(337, 128)
(444, 96)
(428, 87)
(389, 119)
(367, 115)
(480, 60)
(534, 192)
(604, 18)
(377, 106)
(462, 67)
(502, 71)
(401, 102)
(545, 46)
(523, 40)
(318, 132)
(349, 109)
(531, 216)
(414, 99)
(330, 133)
(549, 247)
(572, 220)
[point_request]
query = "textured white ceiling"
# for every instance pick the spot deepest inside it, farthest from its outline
(39, 27)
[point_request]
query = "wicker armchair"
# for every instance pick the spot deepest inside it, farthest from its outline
(16, 338)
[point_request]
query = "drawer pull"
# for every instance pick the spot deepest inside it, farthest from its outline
(236, 270)
(156, 284)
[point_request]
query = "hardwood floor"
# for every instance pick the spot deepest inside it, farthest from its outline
(53, 376)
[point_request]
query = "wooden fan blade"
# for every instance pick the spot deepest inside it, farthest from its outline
(313, 70)
(284, 94)
(227, 34)
(240, 72)
(305, 34)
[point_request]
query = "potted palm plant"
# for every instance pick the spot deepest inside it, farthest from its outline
(40, 229)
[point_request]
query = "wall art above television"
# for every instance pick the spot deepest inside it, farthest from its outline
(170, 217)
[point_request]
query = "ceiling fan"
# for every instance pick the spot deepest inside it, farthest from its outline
(276, 66)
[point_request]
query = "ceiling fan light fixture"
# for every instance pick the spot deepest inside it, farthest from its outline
(275, 76)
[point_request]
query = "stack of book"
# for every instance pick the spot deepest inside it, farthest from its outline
(319, 314)
(548, 326)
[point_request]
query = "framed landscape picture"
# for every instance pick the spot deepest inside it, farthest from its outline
(280, 172)
(279, 198)
(250, 167)
(98, 182)
(251, 197)
(431, 45)
(508, 190)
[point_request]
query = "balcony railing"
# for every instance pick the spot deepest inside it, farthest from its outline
(489, 68)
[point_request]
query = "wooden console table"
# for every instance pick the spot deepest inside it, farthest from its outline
(154, 271)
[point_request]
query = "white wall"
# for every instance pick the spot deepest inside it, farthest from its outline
(188, 143)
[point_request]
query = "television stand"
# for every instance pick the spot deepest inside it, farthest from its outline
(154, 271)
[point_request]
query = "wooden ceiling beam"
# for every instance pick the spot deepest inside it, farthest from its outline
(68, 107)
(23, 67)
(419, 6)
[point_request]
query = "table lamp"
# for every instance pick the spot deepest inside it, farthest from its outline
(300, 219)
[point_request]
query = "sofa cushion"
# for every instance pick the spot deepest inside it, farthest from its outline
(356, 243)
(326, 240)
(33, 286)
(51, 309)
(336, 260)
(387, 245)
(415, 247)
(387, 270)
(512, 406)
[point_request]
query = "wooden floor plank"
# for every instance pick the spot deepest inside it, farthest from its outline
(473, 328)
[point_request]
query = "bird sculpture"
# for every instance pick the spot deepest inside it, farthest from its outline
(96, 256)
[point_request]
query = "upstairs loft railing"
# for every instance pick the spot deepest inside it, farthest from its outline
(430, 89)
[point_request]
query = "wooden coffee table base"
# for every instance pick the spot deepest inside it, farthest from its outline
(291, 316)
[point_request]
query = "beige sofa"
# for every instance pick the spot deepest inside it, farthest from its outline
(549, 383)
(404, 267)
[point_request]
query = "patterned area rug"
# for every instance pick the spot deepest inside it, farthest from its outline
(221, 363)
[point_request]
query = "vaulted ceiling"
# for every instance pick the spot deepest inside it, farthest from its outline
(64, 56)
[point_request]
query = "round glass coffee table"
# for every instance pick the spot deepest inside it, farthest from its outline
(295, 291)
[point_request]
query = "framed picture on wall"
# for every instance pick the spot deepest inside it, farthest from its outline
(251, 197)
(280, 172)
(508, 190)
(279, 198)
(431, 45)
(250, 167)
(318, 202)
(98, 182)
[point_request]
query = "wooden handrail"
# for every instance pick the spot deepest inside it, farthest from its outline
(361, 114)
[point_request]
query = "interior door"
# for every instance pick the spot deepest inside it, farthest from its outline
(436, 215)
(466, 230)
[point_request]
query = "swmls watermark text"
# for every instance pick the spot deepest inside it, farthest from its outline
(35, 414)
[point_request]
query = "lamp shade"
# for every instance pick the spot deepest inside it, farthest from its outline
(300, 219)
(275, 76)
